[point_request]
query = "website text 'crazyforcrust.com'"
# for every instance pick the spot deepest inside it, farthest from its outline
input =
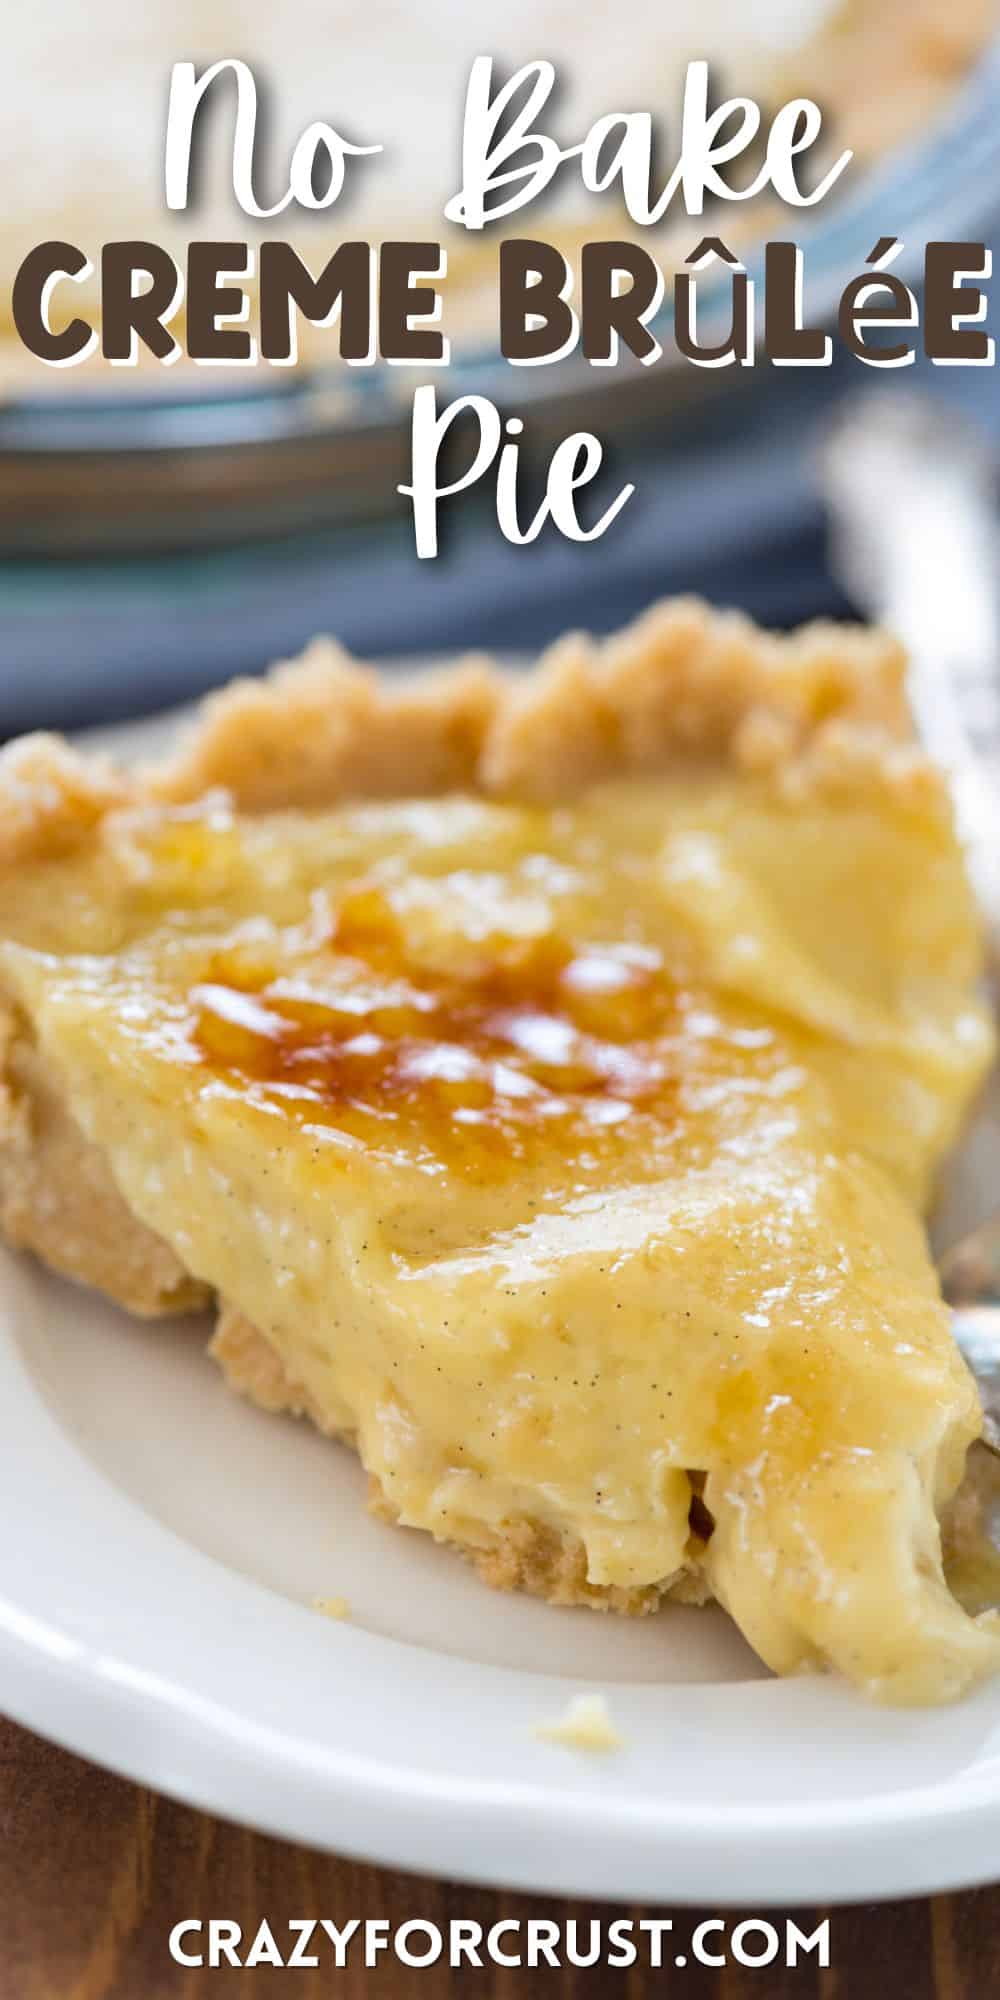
(655, 1942)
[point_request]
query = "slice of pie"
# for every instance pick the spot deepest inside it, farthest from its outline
(545, 1076)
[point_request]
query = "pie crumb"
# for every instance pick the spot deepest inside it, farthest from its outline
(586, 1725)
(332, 1607)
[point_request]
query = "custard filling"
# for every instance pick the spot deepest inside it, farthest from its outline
(569, 1159)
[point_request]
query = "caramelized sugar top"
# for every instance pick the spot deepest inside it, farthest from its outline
(527, 1034)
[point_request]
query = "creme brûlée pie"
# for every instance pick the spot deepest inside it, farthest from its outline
(544, 1078)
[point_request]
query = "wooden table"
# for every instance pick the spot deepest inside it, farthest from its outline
(94, 1872)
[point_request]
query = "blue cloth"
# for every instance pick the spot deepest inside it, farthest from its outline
(726, 506)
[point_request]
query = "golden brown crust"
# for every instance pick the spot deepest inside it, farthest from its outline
(51, 798)
(57, 1196)
(810, 708)
(531, 1557)
(251, 1366)
(685, 682)
(323, 728)
(681, 682)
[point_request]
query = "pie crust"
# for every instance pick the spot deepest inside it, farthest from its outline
(813, 708)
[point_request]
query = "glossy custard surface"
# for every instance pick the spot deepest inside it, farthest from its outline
(560, 1153)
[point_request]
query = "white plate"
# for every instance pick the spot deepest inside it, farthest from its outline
(160, 1548)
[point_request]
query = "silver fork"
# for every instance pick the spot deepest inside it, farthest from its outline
(909, 490)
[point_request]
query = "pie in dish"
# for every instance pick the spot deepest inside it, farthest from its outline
(545, 1077)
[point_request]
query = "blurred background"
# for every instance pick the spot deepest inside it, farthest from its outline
(157, 538)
